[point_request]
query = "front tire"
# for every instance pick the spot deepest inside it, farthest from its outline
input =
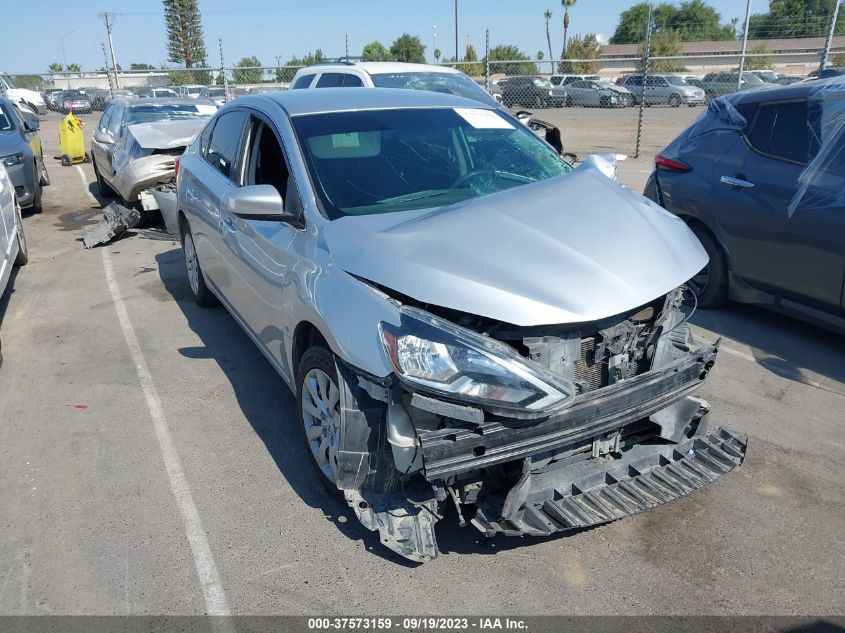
(711, 284)
(102, 187)
(675, 101)
(318, 400)
(23, 252)
(196, 280)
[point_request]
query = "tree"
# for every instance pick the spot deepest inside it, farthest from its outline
(376, 52)
(141, 67)
(471, 66)
(437, 55)
(185, 42)
(286, 73)
(796, 18)
(548, 15)
(567, 4)
(694, 21)
(74, 68)
(581, 48)
(408, 48)
(248, 71)
(55, 68)
(664, 43)
(30, 82)
(510, 53)
(764, 62)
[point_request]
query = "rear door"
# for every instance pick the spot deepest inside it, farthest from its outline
(796, 253)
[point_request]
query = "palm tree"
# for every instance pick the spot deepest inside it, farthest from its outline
(437, 55)
(55, 67)
(548, 15)
(567, 4)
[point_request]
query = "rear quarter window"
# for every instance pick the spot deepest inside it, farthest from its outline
(302, 82)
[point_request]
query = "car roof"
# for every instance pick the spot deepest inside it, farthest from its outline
(781, 93)
(321, 100)
(144, 101)
(382, 68)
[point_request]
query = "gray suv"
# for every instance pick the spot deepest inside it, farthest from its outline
(664, 90)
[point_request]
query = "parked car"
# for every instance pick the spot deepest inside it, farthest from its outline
(50, 99)
(531, 92)
(596, 94)
(664, 89)
(190, 91)
(13, 250)
(136, 141)
(456, 309)
(159, 93)
(75, 101)
(415, 77)
(391, 75)
(764, 197)
(491, 88)
(215, 94)
(788, 80)
(32, 98)
(565, 80)
(22, 156)
(718, 84)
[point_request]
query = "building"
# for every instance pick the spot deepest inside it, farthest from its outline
(793, 56)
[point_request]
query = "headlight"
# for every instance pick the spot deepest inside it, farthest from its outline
(434, 355)
(14, 159)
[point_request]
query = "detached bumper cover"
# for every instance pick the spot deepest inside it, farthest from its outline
(599, 491)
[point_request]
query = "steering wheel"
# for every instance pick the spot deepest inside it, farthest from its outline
(460, 180)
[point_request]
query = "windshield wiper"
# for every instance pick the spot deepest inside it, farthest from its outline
(418, 195)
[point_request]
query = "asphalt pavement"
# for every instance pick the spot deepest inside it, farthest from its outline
(151, 464)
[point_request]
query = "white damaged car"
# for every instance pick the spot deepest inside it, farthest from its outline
(464, 318)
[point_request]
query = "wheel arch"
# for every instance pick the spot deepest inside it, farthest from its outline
(693, 221)
(305, 335)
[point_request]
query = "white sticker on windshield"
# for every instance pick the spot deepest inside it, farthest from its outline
(346, 140)
(483, 119)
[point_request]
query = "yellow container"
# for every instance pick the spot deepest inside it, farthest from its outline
(72, 140)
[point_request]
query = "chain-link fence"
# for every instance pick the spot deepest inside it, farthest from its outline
(627, 98)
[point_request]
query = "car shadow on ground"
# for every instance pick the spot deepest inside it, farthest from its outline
(783, 345)
(264, 400)
(6, 295)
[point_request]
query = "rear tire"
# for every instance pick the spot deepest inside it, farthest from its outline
(318, 404)
(196, 279)
(711, 284)
(37, 204)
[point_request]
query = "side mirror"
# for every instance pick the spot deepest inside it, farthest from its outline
(260, 202)
(106, 138)
(31, 122)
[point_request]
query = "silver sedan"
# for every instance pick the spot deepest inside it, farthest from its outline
(463, 318)
(597, 94)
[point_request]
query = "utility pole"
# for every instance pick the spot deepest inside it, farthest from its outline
(744, 45)
(109, 20)
(646, 64)
(457, 55)
(829, 39)
(434, 30)
(487, 60)
(347, 47)
(223, 70)
(106, 60)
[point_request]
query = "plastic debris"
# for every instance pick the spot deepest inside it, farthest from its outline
(117, 219)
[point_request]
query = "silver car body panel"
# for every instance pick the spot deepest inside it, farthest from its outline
(493, 256)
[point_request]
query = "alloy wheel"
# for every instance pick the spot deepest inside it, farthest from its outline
(192, 264)
(321, 418)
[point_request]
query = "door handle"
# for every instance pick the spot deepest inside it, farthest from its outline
(736, 182)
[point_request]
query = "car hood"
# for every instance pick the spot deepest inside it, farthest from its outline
(571, 249)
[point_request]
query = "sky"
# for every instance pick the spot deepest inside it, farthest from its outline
(284, 28)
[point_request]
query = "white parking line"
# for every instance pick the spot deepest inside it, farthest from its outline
(212, 588)
(84, 180)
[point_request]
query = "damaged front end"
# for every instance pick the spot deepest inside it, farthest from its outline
(527, 430)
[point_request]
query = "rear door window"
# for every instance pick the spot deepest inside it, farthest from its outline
(330, 80)
(302, 82)
(352, 81)
(781, 131)
(225, 142)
